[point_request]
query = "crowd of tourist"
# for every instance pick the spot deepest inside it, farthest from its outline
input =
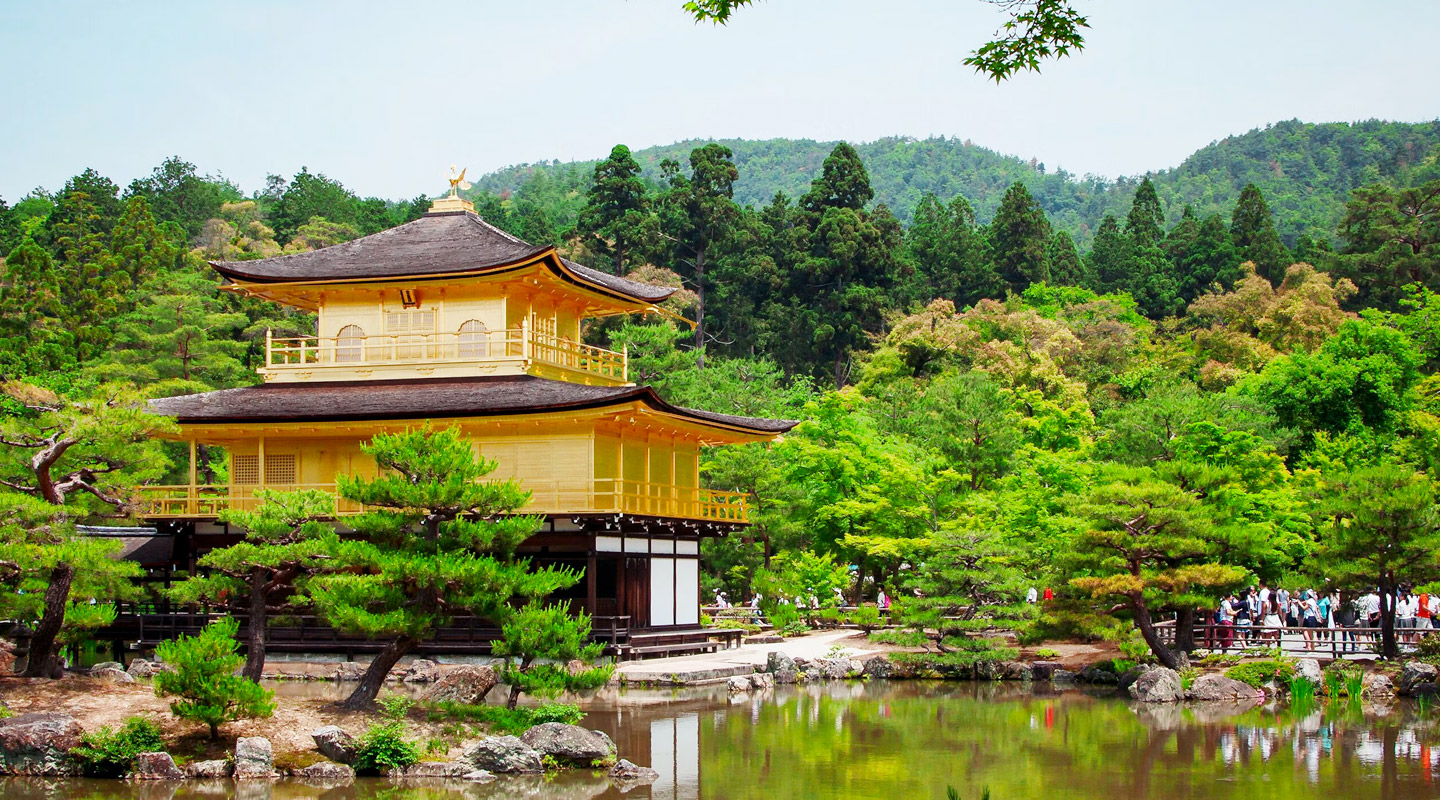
(1262, 616)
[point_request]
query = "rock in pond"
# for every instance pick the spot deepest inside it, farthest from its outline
(506, 754)
(1309, 669)
(208, 770)
(1416, 673)
(782, 667)
(254, 759)
(461, 684)
(570, 744)
(349, 671)
(626, 772)
(1095, 675)
(156, 767)
(878, 667)
(39, 744)
(335, 744)
(442, 769)
(1377, 684)
(421, 670)
(737, 684)
(762, 680)
(1214, 688)
(326, 772)
(1159, 685)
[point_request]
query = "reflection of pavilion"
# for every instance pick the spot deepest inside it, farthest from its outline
(675, 754)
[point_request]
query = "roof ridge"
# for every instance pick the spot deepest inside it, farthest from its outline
(510, 236)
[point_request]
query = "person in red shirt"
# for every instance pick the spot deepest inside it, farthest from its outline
(1049, 595)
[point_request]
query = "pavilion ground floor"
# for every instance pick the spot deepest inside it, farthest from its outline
(640, 585)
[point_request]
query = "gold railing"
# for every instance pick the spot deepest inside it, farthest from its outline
(607, 495)
(521, 344)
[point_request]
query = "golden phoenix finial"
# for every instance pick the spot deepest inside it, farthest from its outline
(457, 182)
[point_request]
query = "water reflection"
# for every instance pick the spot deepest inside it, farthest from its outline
(911, 740)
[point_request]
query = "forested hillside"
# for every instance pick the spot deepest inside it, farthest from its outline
(1305, 170)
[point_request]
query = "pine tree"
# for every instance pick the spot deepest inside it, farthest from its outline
(1020, 240)
(90, 293)
(1252, 229)
(88, 454)
(1145, 224)
(617, 222)
(843, 183)
(539, 643)
(202, 676)
(440, 542)
(949, 254)
(1108, 257)
(1066, 266)
(698, 214)
(139, 249)
(287, 537)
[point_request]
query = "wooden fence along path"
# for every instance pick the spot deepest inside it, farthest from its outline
(1318, 643)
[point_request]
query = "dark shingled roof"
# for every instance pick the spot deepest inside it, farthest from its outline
(424, 399)
(437, 243)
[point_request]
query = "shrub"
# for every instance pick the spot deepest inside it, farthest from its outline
(901, 638)
(1257, 673)
(110, 753)
(1427, 648)
(1188, 676)
(386, 745)
(1047, 652)
(866, 618)
(202, 676)
(796, 628)
(782, 615)
(500, 719)
(538, 643)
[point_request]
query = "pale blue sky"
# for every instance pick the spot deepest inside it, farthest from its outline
(384, 96)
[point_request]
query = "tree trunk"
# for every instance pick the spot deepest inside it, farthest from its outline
(255, 634)
(700, 308)
(374, 677)
(1166, 656)
(839, 371)
(1185, 630)
(44, 661)
(515, 687)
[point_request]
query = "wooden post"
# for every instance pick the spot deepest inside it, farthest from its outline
(269, 334)
(590, 582)
(260, 466)
(192, 493)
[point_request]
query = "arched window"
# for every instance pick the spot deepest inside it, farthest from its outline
(350, 345)
(473, 341)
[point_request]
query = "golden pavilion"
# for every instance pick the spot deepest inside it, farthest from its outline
(450, 320)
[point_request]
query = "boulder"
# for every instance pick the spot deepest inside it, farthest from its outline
(1212, 688)
(503, 754)
(140, 668)
(451, 770)
(1125, 681)
(765, 639)
(762, 680)
(335, 744)
(626, 772)
(113, 675)
(1042, 670)
(39, 744)
(104, 665)
(1425, 690)
(349, 671)
(1309, 669)
(208, 770)
(570, 743)
(422, 670)
(1377, 684)
(989, 671)
(7, 656)
(738, 684)
(777, 661)
(326, 772)
(879, 667)
(254, 758)
(834, 669)
(1062, 676)
(1417, 672)
(1095, 675)
(1159, 685)
(156, 767)
(462, 684)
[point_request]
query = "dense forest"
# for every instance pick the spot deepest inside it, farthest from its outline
(1144, 398)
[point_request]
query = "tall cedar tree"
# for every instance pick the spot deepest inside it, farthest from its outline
(1252, 229)
(439, 543)
(1109, 257)
(1380, 528)
(617, 221)
(287, 537)
(1392, 239)
(948, 252)
(697, 214)
(1020, 240)
(90, 453)
(1066, 266)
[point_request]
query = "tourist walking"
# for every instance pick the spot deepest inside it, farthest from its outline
(1273, 622)
(1033, 596)
(1309, 616)
(1407, 608)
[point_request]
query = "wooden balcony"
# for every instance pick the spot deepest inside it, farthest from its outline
(179, 501)
(513, 351)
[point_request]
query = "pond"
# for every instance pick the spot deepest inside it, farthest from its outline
(898, 741)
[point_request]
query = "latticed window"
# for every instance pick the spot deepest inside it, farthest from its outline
(410, 320)
(472, 340)
(280, 468)
(245, 469)
(350, 345)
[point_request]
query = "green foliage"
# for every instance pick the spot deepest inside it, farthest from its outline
(385, 746)
(1302, 690)
(110, 753)
(866, 618)
(1258, 673)
(1188, 676)
(1047, 652)
(503, 720)
(202, 677)
(539, 642)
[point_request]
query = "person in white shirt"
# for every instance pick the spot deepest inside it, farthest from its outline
(1406, 609)
(1370, 612)
(1032, 597)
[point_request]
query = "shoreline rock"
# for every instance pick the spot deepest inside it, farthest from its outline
(39, 744)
